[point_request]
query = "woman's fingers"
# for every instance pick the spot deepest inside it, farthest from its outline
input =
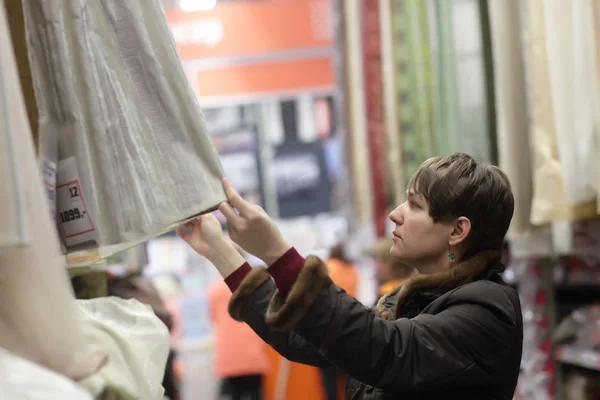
(185, 230)
(183, 233)
(234, 198)
(232, 217)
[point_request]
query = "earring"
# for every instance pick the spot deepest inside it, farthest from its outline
(452, 256)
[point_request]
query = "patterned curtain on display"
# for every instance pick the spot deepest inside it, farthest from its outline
(462, 86)
(448, 128)
(414, 81)
(445, 104)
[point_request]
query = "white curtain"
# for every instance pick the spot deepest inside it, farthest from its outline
(13, 215)
(39, 318)
(133, 156)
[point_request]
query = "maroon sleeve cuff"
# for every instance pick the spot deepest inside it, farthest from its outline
(235, 279)
(285, 270)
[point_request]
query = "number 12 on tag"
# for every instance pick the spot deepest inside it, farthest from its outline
(72, 212)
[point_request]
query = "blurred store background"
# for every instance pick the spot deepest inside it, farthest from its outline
(321, 110)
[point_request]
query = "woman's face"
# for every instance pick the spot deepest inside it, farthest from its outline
(417, 240)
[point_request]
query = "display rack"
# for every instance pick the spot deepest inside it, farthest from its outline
(550, 248)
(583, 358)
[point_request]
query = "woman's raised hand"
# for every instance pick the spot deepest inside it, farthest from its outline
(204, 234)
(251, 228)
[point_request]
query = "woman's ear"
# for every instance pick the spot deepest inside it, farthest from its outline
(461, 231)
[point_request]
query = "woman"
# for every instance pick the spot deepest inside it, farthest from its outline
(454, 329)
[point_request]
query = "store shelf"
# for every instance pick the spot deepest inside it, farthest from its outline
(578, 357)
(566, 238)
(538, 244)
(577, 238)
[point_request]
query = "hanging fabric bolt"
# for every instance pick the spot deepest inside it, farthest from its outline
(120, 121)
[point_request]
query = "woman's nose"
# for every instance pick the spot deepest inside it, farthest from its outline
(397, 216)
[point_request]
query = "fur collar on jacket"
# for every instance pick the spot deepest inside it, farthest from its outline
(462, 273)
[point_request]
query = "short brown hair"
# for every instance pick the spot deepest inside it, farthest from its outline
(457, 185)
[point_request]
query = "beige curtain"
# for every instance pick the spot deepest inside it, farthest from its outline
(550, 201)
(514, 151)
(572, 72)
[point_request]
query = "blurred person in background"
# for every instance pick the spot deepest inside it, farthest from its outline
(345, 274)
(241, 358)
(389, 271)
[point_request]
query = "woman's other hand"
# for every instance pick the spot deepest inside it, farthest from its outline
(204, 234)
(251, 228)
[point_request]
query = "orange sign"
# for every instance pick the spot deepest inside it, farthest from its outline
(252, 28)
(267, 78)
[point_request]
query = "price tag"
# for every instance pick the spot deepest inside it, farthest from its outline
(73, 217)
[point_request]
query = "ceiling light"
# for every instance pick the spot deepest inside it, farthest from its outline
(197, 5)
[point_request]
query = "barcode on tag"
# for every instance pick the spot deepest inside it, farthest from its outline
(73, 217)
(49, 177)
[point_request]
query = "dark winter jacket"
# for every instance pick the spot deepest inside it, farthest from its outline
(456, 334)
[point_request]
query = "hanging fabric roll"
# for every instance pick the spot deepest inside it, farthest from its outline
(511, 108)
(396, 180)
(549, 195)
(16, 23)
(572, 75)
(448, 124)
(39, 319)
(132, 155)
(596, 33)
(463, 108)
(490, 124)
(13, 215)
(414, 82)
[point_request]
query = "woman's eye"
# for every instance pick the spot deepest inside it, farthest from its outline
(412, 204)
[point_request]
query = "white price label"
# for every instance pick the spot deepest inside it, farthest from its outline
(73, 217)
